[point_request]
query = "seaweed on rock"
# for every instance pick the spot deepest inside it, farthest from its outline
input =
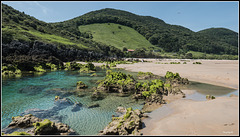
(117, 82)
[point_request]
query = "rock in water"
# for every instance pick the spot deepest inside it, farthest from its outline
(37, 126)
(94, 105)
(127, 124)
(76, 107)
(23, 122)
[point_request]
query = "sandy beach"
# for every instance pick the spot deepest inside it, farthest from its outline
(188, 117)
(217, 72)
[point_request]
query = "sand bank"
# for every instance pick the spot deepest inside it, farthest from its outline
(187, 117)
(217, 72)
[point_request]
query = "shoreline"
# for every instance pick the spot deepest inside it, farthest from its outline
(189, 117)
(216, 72)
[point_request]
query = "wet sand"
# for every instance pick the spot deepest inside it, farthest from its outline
(188, 117)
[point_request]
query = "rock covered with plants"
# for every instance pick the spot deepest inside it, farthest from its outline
(37, 126)
(175, 79)
(81, 85)
(117, 82)
(145, 75)
(127, 124)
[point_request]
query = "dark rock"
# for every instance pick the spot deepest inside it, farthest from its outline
(94, 105)
(76, 107)
(97, 95)
(23, 121)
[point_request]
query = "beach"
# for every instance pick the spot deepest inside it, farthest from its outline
(189, 117)
(217, 72)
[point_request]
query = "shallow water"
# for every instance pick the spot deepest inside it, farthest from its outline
(203, 89)
(39, 90)
(30, 92)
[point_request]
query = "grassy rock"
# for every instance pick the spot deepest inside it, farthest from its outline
(81, 85)
(117, 82)
(147, 75)
(127, 124)
(210, 97)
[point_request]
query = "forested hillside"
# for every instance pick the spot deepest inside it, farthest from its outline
(168, 38)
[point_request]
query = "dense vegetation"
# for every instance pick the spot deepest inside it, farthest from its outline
(163, 37)
(170, 38)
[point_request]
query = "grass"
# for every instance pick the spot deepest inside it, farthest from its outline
(116, 36)
(26, 35)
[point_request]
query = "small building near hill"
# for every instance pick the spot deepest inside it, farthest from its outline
(130, 50)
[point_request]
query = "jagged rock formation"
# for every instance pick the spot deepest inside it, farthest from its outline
(36, 126)
(127, 124)
(26, 55)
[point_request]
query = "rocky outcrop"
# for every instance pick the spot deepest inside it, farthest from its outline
(117, 82)
(47, 127)
(155, 98)
(27, 55)
(97, 95)
(127, 124)
(81, 85)
(210, 97)
(36, 126)
(175, 80)
(23, 121)
(145, 75)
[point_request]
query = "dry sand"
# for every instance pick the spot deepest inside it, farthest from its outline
(217, 72)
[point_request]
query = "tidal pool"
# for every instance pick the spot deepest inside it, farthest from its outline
(37, 91)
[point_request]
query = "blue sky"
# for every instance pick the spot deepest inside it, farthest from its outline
(193, 15)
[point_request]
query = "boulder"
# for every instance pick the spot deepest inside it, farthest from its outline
(81, 85)
(97, 95)
(210, 97)
(47, 127)
(23, 121)
(127, 124)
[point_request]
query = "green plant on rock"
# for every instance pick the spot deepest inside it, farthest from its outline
(39, 68)
(72, 66)
(89, 67)
(40, 125)
(138, 86)
(146, 93)
(51, 66)
(170, 75)
(81, 85)
(128, 113)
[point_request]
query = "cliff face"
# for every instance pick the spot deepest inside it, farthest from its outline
(29, 54)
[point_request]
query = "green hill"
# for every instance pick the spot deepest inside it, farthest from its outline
(92, 32)
(116, 35)
(222, 34)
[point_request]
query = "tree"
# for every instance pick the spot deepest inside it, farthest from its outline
(189, 55)
(124, 49)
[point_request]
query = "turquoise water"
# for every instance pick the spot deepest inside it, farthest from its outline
(30, 92)
(38, 92)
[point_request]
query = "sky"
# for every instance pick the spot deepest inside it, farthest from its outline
(193, 15)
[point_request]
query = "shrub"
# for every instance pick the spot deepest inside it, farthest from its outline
(39, 68)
